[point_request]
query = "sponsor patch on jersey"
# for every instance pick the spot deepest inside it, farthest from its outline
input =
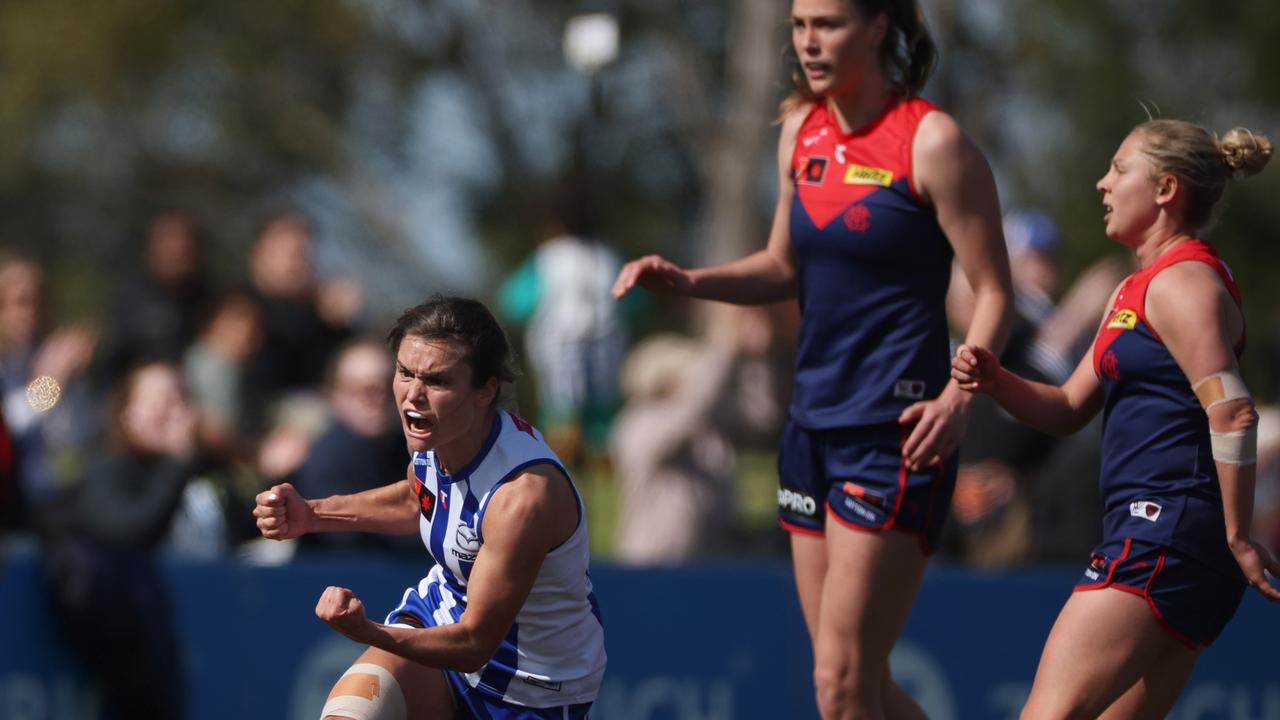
(1145, 509)
(909, 389)
(814, 171)
(467, 538)
(522, 425)
(1123, 320)
(419, 459)
(540, 682)
(863, 175)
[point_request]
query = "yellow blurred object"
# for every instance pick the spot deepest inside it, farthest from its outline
(43, 393)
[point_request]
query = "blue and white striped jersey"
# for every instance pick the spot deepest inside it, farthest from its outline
(554, 653)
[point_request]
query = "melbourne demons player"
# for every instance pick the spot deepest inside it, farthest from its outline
(879, 191)
(1179, 437)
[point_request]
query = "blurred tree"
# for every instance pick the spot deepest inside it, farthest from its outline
(423, 137)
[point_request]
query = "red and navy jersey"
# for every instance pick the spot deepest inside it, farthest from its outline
(873, 269)
(1159, 481)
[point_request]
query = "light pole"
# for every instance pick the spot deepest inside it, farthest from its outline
(590, 43)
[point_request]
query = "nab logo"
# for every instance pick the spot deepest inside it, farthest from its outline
(863, 175)
(426, 501)
(1123, 320)
(814, 171)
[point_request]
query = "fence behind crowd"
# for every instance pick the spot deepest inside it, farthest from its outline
(709, 642)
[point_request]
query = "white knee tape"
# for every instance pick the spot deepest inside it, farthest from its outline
(366, 692)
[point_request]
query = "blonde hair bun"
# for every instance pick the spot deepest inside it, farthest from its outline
(1245, 151)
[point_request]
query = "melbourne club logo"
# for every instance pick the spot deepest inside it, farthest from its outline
(858, 218)
(1110, 365)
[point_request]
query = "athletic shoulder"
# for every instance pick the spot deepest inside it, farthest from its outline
(939, 136)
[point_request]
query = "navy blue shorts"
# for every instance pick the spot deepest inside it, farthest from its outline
(858, 475)
(472, 704)
(1191, 600)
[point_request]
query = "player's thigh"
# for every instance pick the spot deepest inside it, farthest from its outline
(871, 582)
(809, 561)
(1101, 644)
(406, 690)
(1155, 693)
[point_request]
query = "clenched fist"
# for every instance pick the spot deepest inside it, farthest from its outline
(282, 513)
(343, 611)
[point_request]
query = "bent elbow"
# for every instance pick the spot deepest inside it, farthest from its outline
(475, 653)
(469, 664)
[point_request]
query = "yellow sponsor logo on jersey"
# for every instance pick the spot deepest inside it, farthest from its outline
(1124, 320)
(863, 175)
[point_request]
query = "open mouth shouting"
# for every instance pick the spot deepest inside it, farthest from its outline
(417, 423)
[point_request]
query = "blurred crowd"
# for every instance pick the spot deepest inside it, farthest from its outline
(198, 394)
(156, 429)
(151, 434)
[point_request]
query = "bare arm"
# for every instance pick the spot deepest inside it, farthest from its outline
(525, 520)
(952, 175)
(1200, 324)
(765, 276)
(283, 513)
(1054, 410)
(1047, 408)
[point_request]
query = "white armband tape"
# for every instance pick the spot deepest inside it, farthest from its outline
(1219, 388)
(1238, 447)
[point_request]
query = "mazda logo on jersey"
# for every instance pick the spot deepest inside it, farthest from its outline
(468, 538)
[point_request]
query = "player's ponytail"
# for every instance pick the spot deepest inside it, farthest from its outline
(1244, 151)
(908, 54)
(1202, 163)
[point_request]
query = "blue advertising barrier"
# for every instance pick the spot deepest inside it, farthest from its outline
(712, 642)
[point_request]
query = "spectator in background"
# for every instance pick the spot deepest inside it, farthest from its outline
(40, 382)
(361, 448)
(214, 368)
(104, 582)
(304, 320)
(674, 446)
(156, 314)
(575, 334)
